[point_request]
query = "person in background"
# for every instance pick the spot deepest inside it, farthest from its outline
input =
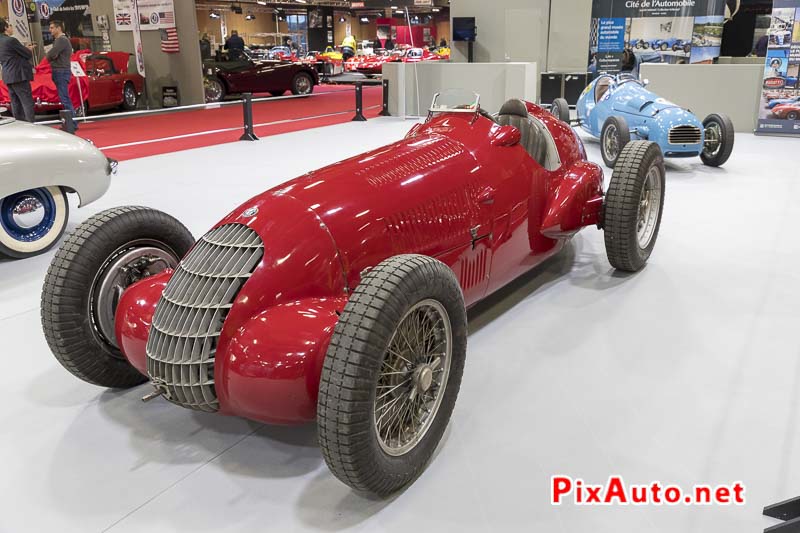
(59, 57)
(760, 49)
(205, 47)
(292, 47)
(235, 45)
(15, 60)
(349, 47)
(443, 43)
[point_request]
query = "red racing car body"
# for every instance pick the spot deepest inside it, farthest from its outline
(107, 84)
(347, 288)
(374, 66)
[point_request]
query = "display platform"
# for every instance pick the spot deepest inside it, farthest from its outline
(685, 373)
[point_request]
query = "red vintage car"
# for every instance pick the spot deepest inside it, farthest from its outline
(374, 66)
(340, 297)
(787, 111)
(107, 84)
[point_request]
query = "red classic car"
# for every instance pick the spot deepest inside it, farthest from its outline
(247, 75)
(340, 297)
(374, 66)
(107, 84)
(787, 111)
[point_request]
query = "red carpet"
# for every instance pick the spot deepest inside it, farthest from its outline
(131, 138)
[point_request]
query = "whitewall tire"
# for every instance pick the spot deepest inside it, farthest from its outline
(32, 221)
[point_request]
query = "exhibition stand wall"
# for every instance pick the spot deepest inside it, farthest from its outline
(700, 88)
(495, 82)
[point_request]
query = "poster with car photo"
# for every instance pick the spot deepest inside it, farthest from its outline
(653, 32)
(779, 112)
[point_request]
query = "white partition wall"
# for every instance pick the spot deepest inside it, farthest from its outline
(731, 89)
(495, 82)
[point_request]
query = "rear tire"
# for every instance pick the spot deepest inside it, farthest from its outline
(613, 139)
(719, 128)
(31, 222)
(130, 100)
(793, 115)
(634, 205)
(560, 110)
(370, 351)
(103, 256)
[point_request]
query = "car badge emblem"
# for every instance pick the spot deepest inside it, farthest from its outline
(251, 212)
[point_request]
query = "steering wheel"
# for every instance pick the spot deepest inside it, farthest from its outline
(486, 114)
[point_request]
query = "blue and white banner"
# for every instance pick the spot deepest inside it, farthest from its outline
(18, 18)
(655, 31)
(779, 112)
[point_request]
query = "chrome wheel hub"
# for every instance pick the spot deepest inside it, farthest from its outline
(649, 208)
(28, 212)
(130, 96)
(120, 271)
(413, 378)
(303, 85)
(713, 142)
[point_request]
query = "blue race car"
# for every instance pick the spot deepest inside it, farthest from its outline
(781, 101)
(618, 109)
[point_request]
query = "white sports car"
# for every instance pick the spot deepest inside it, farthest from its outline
(39, 165)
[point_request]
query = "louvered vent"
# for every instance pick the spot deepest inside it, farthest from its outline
(685, 135)
(192, 309)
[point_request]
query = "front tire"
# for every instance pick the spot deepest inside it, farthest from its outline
(31, 222)
(214, 90)
(633, 206)
(720, 137)
(560, 110)
(99, 260)
(613, 139)
(392, 373)
(302, 84)
(793, 115)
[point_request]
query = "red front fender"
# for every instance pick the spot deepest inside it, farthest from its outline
(576, 203)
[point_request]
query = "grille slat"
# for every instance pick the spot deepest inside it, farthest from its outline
(191, 312)
(685, 135)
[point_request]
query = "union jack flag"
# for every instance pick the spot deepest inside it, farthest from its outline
(124, 19)
(169, 41)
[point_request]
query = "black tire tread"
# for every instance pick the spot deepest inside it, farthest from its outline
(64, 301)
(561, 108)
(622, 205)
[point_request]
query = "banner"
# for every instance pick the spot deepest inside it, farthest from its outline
(779, 111)
(137, 37)
(18, 18)
(153, 15)
(655, 31)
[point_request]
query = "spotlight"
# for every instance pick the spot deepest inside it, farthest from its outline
(250, 16)
(365, 20)
(342, 20)
(214, 15)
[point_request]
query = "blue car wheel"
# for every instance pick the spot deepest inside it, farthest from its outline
(32, 221)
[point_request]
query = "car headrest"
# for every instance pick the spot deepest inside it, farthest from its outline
(514, 107)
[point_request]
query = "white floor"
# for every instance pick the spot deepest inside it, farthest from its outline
(686, 373)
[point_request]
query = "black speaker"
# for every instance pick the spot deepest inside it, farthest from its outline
(552, 87)
(574, 84)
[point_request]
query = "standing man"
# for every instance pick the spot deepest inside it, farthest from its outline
(15, 60)
(235, 46)
(59, 56)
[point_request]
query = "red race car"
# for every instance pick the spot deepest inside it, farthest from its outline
(340, 297)
(787, 111)
(374, 66)
(107, 84)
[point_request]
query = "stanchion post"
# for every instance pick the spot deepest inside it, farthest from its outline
(385, 110)
(247, 104)
(67, 121)
(359, 103)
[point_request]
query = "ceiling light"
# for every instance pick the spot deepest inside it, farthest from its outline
(250, 16)
(342, 20)
(214, 15)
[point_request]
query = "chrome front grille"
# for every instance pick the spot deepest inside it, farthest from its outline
(191, 312)
(685, 135)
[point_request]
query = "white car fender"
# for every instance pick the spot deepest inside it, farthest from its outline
(39, 156)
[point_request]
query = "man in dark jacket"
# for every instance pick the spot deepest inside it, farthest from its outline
(15, 60)
(60, 56)
(235, 46)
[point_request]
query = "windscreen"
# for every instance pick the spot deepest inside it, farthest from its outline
(456, 101)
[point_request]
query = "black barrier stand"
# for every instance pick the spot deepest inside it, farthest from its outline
(385, 110)
(359, 103)
(67, 121)
(789, 512)
(247, 103)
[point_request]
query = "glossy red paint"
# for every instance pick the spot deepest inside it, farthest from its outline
(486, 209)
(784, 111)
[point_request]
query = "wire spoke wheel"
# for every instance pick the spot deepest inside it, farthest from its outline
(649, 208)
(610, 142)
(414, 370)
(713, 142)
